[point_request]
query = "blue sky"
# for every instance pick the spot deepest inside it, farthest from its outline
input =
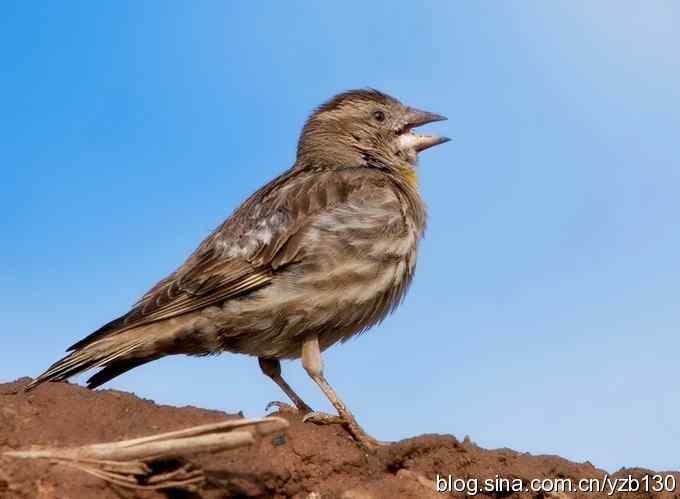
(544, 316)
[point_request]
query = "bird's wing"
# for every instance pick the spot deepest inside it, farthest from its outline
(211, 279)
(208, 280)
(241, 255)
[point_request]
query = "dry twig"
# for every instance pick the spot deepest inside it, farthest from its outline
(157, 461)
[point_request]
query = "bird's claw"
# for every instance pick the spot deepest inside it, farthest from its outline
(281, 407)
(365, 441)
(322, 418)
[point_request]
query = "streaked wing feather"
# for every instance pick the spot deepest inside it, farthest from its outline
(202, 286)
(190, 301)
(209, 276)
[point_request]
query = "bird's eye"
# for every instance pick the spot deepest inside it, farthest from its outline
(379, 116)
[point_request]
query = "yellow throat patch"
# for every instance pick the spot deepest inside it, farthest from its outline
(411, 176)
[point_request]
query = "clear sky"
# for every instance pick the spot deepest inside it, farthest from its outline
(544, 315)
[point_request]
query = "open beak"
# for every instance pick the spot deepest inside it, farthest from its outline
(420, 142)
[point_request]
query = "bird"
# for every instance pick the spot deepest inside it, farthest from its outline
(318, 255)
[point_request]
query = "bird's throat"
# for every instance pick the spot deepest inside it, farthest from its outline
(411, 176)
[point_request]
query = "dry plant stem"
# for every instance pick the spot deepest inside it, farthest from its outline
(130, 482)
(205, 438)
(146, 451)
(124, 463)
(185, 472)
(262, 426)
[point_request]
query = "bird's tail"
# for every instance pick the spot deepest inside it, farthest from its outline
(116, 354)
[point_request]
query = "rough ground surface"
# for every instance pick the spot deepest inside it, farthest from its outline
(307, 462)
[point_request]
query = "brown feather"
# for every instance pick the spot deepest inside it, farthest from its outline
(327, 248)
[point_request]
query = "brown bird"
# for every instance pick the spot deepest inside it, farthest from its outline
(316, 256)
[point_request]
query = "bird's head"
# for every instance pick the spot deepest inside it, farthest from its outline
(366, 127)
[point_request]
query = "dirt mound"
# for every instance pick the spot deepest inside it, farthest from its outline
(306, 462)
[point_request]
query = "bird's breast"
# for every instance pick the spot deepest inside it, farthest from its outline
(343, 271)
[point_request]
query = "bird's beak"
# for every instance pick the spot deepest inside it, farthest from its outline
(420, 142)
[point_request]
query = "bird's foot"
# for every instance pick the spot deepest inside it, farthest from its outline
(365, 441)
(276, 405)
(322, 418)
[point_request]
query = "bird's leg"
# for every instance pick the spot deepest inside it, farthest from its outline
(313, 364)
(272, 368)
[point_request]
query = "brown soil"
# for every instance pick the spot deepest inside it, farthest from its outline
(308, 461)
